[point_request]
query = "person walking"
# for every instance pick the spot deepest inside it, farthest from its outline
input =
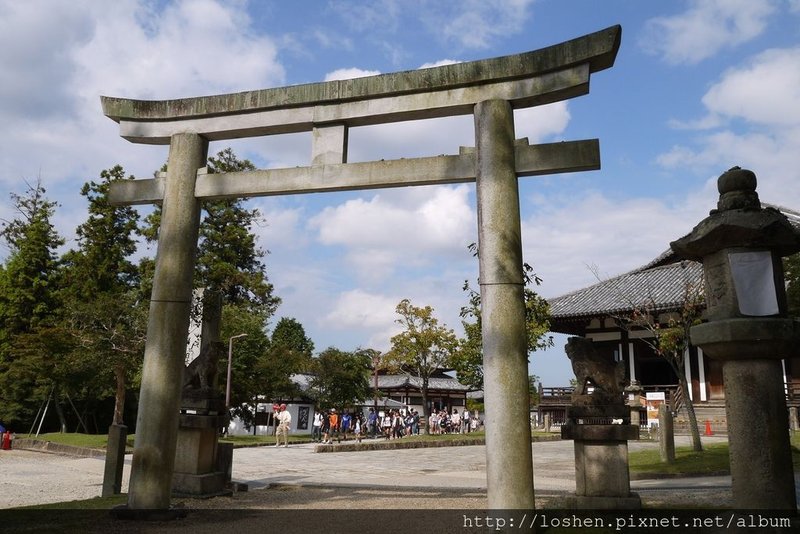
(346, 423)
(284, 424)
(372, 421)
(333, 419)
(316, 432)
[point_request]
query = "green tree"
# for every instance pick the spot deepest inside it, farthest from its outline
(31, 269)
(340, 379)
(228, 258)
(468, 360)
(28, 300)
(230, 262)
(791, 267)
(291, 335)
(422, 348)
(670, 340)
(533, 389)
(101, 289)
(253, 373)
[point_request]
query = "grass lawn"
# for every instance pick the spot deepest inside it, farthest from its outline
(98, 441)
(713, 459)
(92, 441)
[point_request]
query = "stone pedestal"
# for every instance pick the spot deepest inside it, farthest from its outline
(115, 460)
(666, 435)
(198, 472)
(602, 479)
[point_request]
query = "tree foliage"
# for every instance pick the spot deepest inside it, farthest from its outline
(468, 360)
(28, 304)
(340, 379)
(74, 326)
(422, 348)
(28, 293)
(252, 373)
(791, 266)
(669, 335)
(289, 334)
(228, 258)
(101, 290)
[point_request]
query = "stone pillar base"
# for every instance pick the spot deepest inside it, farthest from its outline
(583, 502)
(602, 480)
(200, 469)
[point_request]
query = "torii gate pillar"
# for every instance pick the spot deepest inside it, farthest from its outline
(509, 464)
(167, 328)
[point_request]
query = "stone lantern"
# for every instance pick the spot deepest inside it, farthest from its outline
(741, 245)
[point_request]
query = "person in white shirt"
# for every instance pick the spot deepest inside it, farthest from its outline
(316, 433)
(284, 424)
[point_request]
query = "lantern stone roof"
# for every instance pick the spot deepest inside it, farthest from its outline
(660, 285)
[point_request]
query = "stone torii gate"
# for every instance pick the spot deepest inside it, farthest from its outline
(489, 89)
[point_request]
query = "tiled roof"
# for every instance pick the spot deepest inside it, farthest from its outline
(401, 381)
(662, 287)
(661, 283)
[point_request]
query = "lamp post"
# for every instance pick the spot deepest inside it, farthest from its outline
(376, 361)
(228, 381)
(741, 245)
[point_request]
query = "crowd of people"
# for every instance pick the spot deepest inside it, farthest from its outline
(392, 424)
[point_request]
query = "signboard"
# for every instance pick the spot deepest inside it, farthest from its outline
(654, 401)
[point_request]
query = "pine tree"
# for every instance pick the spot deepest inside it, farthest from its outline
(101, 290)
(228, 258)
(28, 299)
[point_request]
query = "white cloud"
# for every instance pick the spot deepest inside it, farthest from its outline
(282, 228)
(349, 73)
(541, 123)
(64, 56)
(169, 54)
(36, 42)
(568, 235)
(705, 28)
(398, 229)
(759, 105)
(772, 157)
(765, 91)
(478, 23)
(440, 63)
(358, 308)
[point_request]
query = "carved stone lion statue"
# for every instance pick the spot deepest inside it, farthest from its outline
(201, 373)
(607, 378)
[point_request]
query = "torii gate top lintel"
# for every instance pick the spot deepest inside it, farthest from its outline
(561, 71)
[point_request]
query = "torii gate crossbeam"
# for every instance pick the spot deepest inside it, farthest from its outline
(488, 89)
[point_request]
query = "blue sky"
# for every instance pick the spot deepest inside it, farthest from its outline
(698, 86)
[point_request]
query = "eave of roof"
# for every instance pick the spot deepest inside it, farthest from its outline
(660, 288)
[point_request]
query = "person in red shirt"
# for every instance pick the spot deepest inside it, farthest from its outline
(333, 423)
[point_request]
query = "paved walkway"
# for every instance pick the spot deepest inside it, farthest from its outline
(36, 478)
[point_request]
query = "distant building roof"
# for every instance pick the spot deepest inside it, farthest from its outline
(414, 382)
(660, 286)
